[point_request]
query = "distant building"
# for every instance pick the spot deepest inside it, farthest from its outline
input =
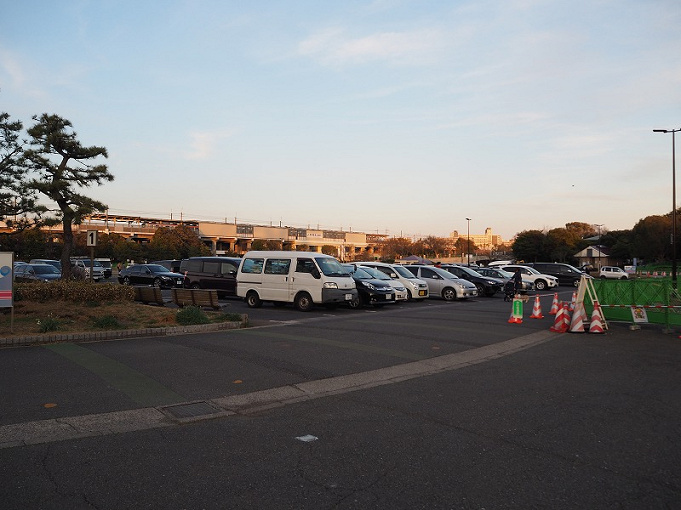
(486, 241)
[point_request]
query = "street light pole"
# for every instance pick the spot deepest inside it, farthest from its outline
(468, 243)
(673, 132)
(598, 267)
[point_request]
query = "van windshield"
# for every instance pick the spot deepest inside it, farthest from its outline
(403, 272)
(330, 267)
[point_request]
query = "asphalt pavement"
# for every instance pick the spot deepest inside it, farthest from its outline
(425, 405)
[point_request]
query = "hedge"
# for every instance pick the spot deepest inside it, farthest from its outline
(72, 291)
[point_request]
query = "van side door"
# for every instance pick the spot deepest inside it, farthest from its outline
(276, 280)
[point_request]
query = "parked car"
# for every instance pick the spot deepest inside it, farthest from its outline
(55, 263)
(106, 265)
(565, 273)
(36, 273)
(217, 273)
(371, 291)
(530, 274)
(442, 283)
(504, 276)
(416, 289)
(83, 266)
(613, 272)
(487, 286)
(400, 290)
(150, 274)
(172, 265)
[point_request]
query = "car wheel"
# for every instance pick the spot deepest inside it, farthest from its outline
(575, 283)
(623, 278)
(126, 280)
(303, 302)
(481, 289)
(355, 303)
(602, 277)
(449, 294)
(157, 282)
(540, 285)
(409, 296)
(252, 299)
(195, 286)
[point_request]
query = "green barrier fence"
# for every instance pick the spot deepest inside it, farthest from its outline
(660, 299)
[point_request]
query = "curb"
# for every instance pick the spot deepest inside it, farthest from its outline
(95, 336)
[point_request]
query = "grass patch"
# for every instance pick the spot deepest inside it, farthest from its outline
(106, 322)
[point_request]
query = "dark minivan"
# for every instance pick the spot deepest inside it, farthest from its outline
(217, 273)
(566, 274)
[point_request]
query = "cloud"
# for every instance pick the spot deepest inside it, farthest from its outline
(333, 47)
(203, 144)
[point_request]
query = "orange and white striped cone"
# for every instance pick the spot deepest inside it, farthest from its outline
(554, 305)
(536, 309)
(574, 300)
(566, 317)
(559, 322)
(578, 318)
(596, 325)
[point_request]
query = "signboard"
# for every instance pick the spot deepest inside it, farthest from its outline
(6, 277)
(639, 314)
(91, 238)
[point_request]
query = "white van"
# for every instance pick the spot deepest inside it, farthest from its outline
(298, 277)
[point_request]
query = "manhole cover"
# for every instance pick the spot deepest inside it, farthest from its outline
(192, 410)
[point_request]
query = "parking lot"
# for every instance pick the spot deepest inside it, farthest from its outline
(416, 405)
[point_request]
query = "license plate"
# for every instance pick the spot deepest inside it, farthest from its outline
(348, 297)
(388, 297)
(422, 293)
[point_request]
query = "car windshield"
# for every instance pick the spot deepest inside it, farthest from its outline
(375, 273)
(157, 268)
(95, 264)
(405, 273)
(470, 271)
(444, 273)
(502, 273)
(45, 269)
(530, 269)
(331, 267)
(358, 272)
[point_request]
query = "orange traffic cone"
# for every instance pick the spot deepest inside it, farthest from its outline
(577, 323)
(596, 325)
(554, 305)
(559, 322)
(536, 309)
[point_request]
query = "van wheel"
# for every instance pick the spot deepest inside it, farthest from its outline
(304, 302)
(540, 285)
(409, 296)
(252, 299)
(575, 283)
(449, 294)
(355, 303)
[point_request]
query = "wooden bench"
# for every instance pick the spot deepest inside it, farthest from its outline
(196, 297)
(149, 295)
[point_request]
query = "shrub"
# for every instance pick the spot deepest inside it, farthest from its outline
(73, 291)
(47, 324)
(192, 315)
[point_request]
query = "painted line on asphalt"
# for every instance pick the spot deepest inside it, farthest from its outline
(75, 427)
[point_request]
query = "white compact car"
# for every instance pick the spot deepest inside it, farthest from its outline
(416, 289)
(612, 272)
(540, 281)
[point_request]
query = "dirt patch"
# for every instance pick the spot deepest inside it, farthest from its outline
(31, 318)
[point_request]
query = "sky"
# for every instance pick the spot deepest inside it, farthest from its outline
(391, 116)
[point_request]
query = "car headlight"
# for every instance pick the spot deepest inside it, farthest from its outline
(369, 285)
(330, 285)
